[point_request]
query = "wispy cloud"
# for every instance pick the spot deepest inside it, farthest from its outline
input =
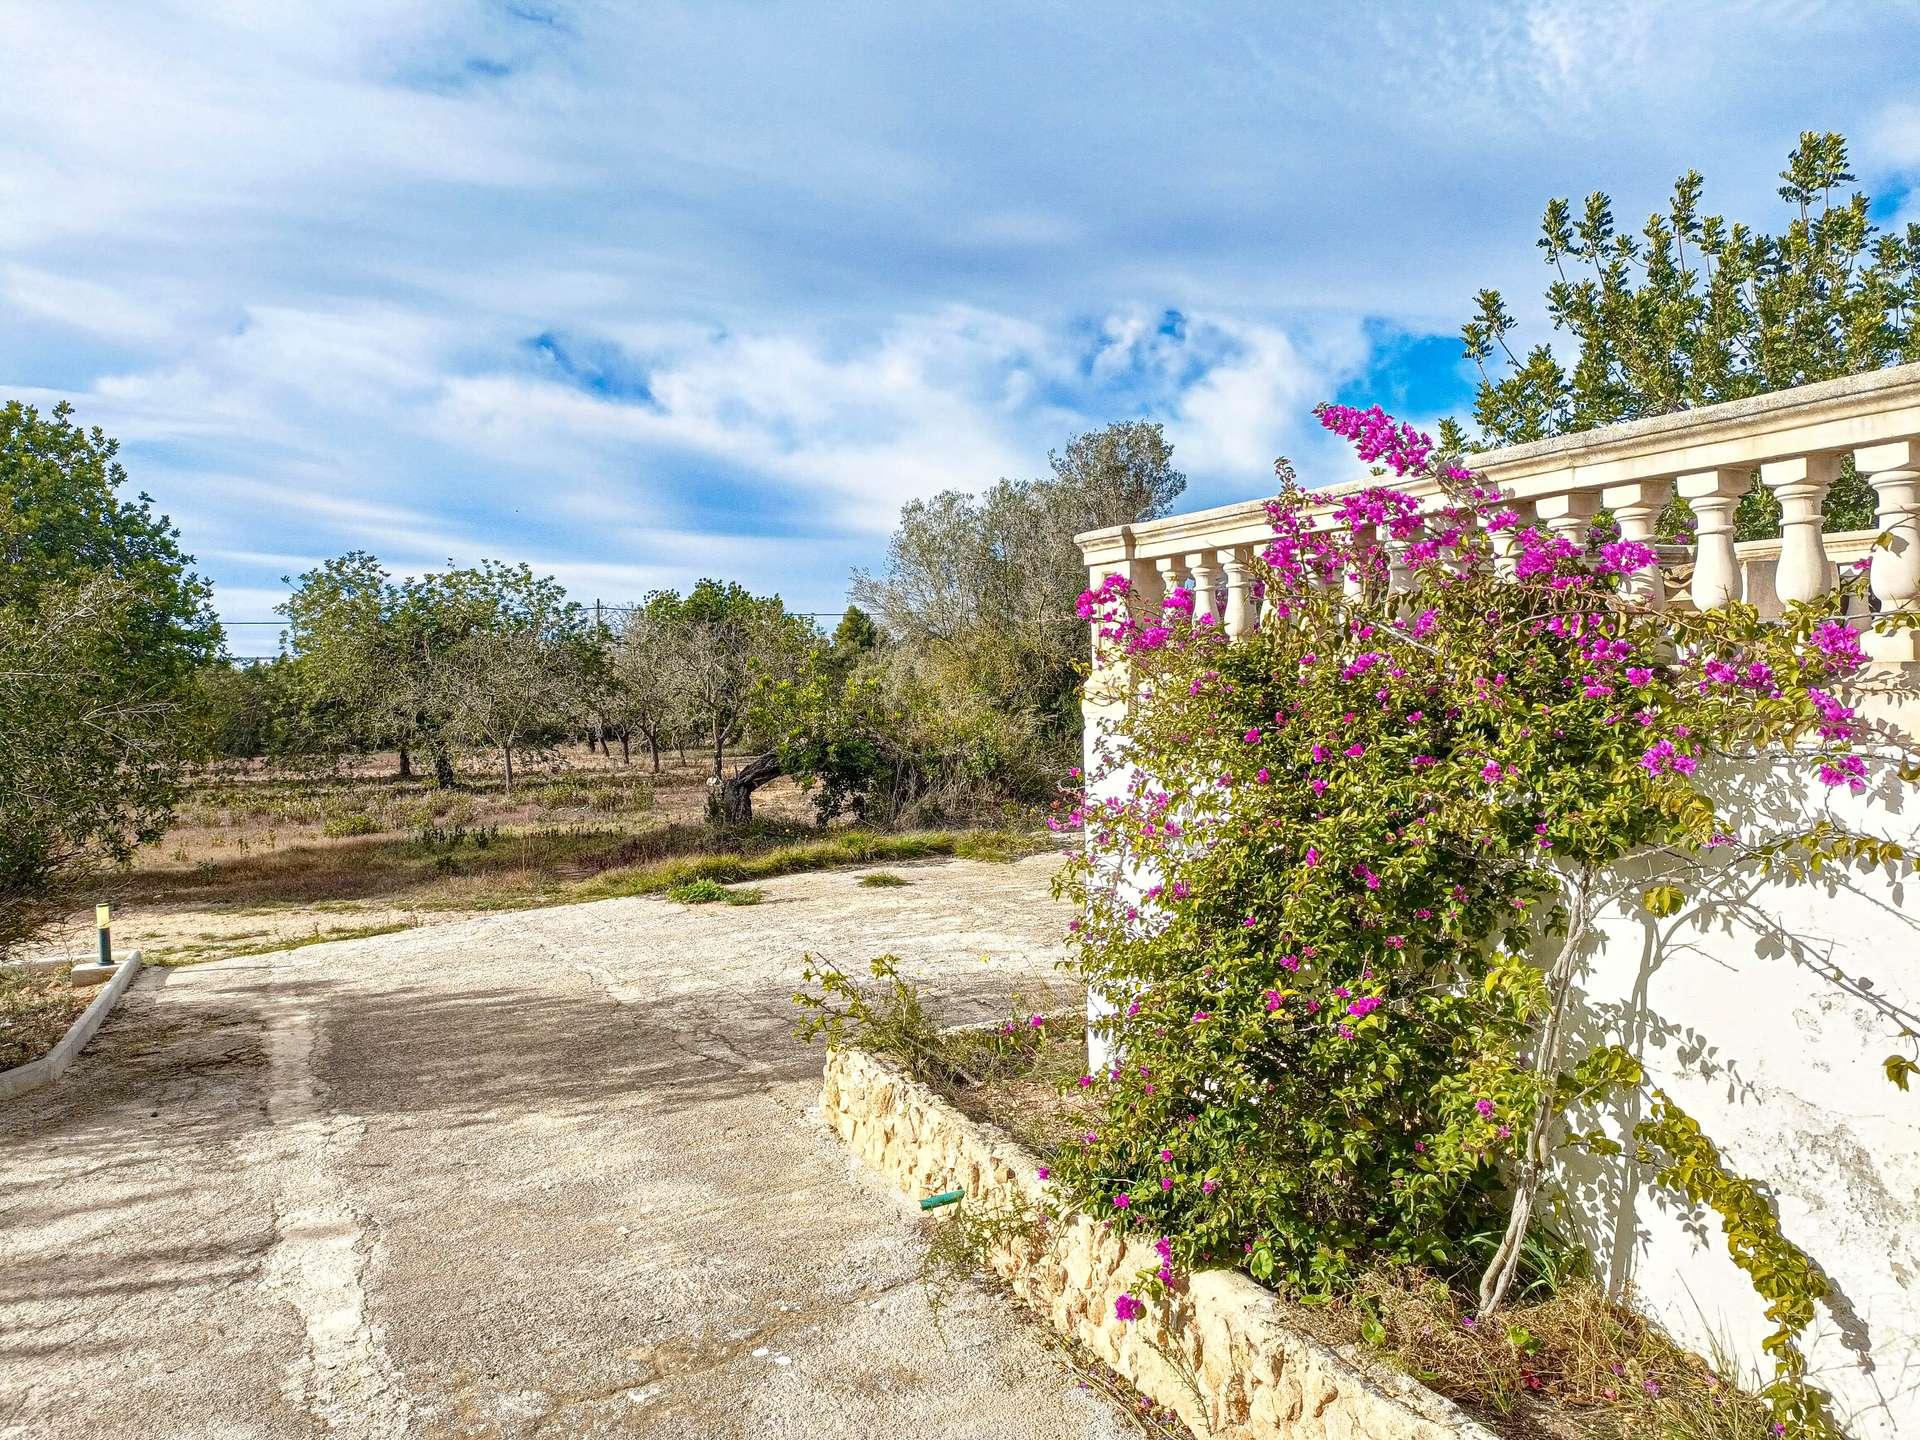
(644, 292)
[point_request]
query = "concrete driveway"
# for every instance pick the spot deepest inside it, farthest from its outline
(549, 1173)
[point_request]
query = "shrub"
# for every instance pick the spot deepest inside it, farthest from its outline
(340, 827)
(1322, 858)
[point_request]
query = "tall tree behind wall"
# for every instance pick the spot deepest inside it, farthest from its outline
(1695, 309)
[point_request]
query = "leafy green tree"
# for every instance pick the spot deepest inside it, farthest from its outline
(351, 665)
(981, 588)
(396, 663)
(646, 683)
(1695, 310)
(509, 684)
(252, 711)
(730, 642)
(103, 627)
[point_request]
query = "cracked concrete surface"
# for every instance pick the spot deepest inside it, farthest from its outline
(550, 1173)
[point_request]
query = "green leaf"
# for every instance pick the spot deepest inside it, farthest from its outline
(1663, 900)
(1900, 1069)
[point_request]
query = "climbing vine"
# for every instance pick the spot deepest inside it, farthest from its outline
(1325, 860)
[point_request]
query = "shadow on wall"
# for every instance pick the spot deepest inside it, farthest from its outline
(1766, 1009)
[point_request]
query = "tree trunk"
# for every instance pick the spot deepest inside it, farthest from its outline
(507, 752)
(442, 768)
(1546, 1068)
(653, 744)
(406, 764)
(731, 801)
(719, 754)
(626, 750)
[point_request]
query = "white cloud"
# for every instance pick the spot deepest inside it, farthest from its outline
(295, 255)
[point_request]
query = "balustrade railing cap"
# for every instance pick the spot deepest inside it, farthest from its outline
(1863, 397)
(1830, 417)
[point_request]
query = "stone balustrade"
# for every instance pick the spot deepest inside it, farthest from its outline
(1794, 441)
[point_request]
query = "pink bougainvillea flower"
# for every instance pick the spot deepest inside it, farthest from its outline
(1127, 1308)
(1485, 1107)
(1122, 1201)
(1836, 645)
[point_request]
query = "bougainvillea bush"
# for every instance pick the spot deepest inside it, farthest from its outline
(1337, 872)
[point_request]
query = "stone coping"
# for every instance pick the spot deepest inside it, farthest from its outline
(35, 1073)
(1221, 1354)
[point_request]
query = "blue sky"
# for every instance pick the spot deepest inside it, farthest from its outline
(642, 292)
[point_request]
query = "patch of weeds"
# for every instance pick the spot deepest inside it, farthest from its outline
(962, 1247)
(1001, 847)
(883, 880)
(847, 847)
(173, 957)
(709, 892)
(1572, 1363)
(343, 827)
(892, 1019)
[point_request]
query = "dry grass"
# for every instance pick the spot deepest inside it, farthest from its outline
(1037, 1102)
(231, 946)
(35, 1010)
(1572, 1364)
(265, 859)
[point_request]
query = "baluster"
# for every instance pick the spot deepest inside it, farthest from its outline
(1147, 586)
(1506, 545)
(1637, 507)
(1173, 574)
(1894, 575)
(1238, 564)
(1567, 516)
(1714, 495)
(1353, 583)
(1801, 483)
(1399, 572)
(1206, 581)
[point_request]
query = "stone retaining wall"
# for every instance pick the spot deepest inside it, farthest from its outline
(1220, 1354)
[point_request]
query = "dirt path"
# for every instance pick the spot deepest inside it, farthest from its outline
(547, 1173)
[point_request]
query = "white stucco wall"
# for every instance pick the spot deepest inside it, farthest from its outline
(1734, 1007)
(1735, 1010)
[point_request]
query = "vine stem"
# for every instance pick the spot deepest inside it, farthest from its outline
(1546, 1069)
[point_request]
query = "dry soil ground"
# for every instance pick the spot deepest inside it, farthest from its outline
(260, 858)
(546, 1172)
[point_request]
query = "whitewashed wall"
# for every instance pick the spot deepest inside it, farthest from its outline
(1735, 1009)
